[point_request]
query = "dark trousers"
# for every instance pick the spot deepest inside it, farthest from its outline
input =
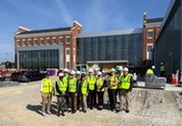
(162, 73)
(67, 101)
(91, 98)
(100, 98)
(73, 101)
(117, 92)
(78, 101)
(112, 97)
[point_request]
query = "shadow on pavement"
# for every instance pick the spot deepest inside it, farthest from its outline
(37, 108)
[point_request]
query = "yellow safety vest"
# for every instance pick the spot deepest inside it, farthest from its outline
(91, 82)
(119, 81)
(72, 85)
(84, 87)
(100, 83)
(47, 86)
(150, 71)
(125, 82)
(66, 79)
(62, 87)
(162, 68)
(112, 81)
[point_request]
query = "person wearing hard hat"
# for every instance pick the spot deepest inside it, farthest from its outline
(100, 90)
(119, 75)
(84, 92)
(73, 91)
(78, 76)
(150, 71)
(96, 71)
(162, 69)
(113, 81)
(47, 86)
(61, 88)
(91, 79)
(126, 87)
(66, 80)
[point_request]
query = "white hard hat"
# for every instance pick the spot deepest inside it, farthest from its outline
(120, 68)
(100, 73)
(113, 70)
(153, 67)
(61, 74)
(125, 69)
(90, 70)
(65, 70)
(162, 63)
(78, 72)
(97, 68)
(72, 72)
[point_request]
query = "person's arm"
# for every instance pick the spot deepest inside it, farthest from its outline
(116, 81)
(77, 86)
(131, 84)
(57, 89)
(41, 85)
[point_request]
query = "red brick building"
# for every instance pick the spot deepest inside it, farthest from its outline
(47, 48)
(150, 33)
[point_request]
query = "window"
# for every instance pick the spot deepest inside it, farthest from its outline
(41, 42)
(35, 42)
(67, 40)
(54, 40)
(29, 42)
(68, 65)
(61, 40)
(67, 52)
(48, 41)
(18, 43)
(24, 43)
(150, 34)
(149, 51)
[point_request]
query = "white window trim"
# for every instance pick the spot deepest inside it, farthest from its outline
(150, 30)
(149, 44)
(18, 43)
(52, 40)
(66, 39)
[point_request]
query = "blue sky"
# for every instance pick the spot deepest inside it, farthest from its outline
(94, 15)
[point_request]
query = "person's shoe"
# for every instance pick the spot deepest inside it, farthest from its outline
(91, 108)
(63, 113)
(74, 111)
(113, 109)
(127, 111)
(117, 111)
(43, 114)
(48, 112)
(85, 111)
(58, 113)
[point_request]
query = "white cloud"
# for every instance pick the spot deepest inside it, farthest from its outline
(63, 12)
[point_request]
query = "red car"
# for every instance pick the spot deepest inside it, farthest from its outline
(15, 75)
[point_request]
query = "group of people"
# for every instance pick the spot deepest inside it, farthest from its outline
(162, 70)
(77, 91)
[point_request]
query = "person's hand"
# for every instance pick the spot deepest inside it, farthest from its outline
(76, 94)
(86, 94)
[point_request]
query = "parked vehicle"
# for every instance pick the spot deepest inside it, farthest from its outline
(15, 75)
(31, 76)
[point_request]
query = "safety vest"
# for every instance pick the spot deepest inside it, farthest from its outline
(72, 85)
(162, 68)
(47, 86)
(100, 83)
(112, 81)
(125, 82)
(66, 79)
(150, 71)
(119, 81)
(91, 82)
(96, 76)
(62, 87)
(84, 87)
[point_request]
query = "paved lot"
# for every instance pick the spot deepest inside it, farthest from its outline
(20, 106)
